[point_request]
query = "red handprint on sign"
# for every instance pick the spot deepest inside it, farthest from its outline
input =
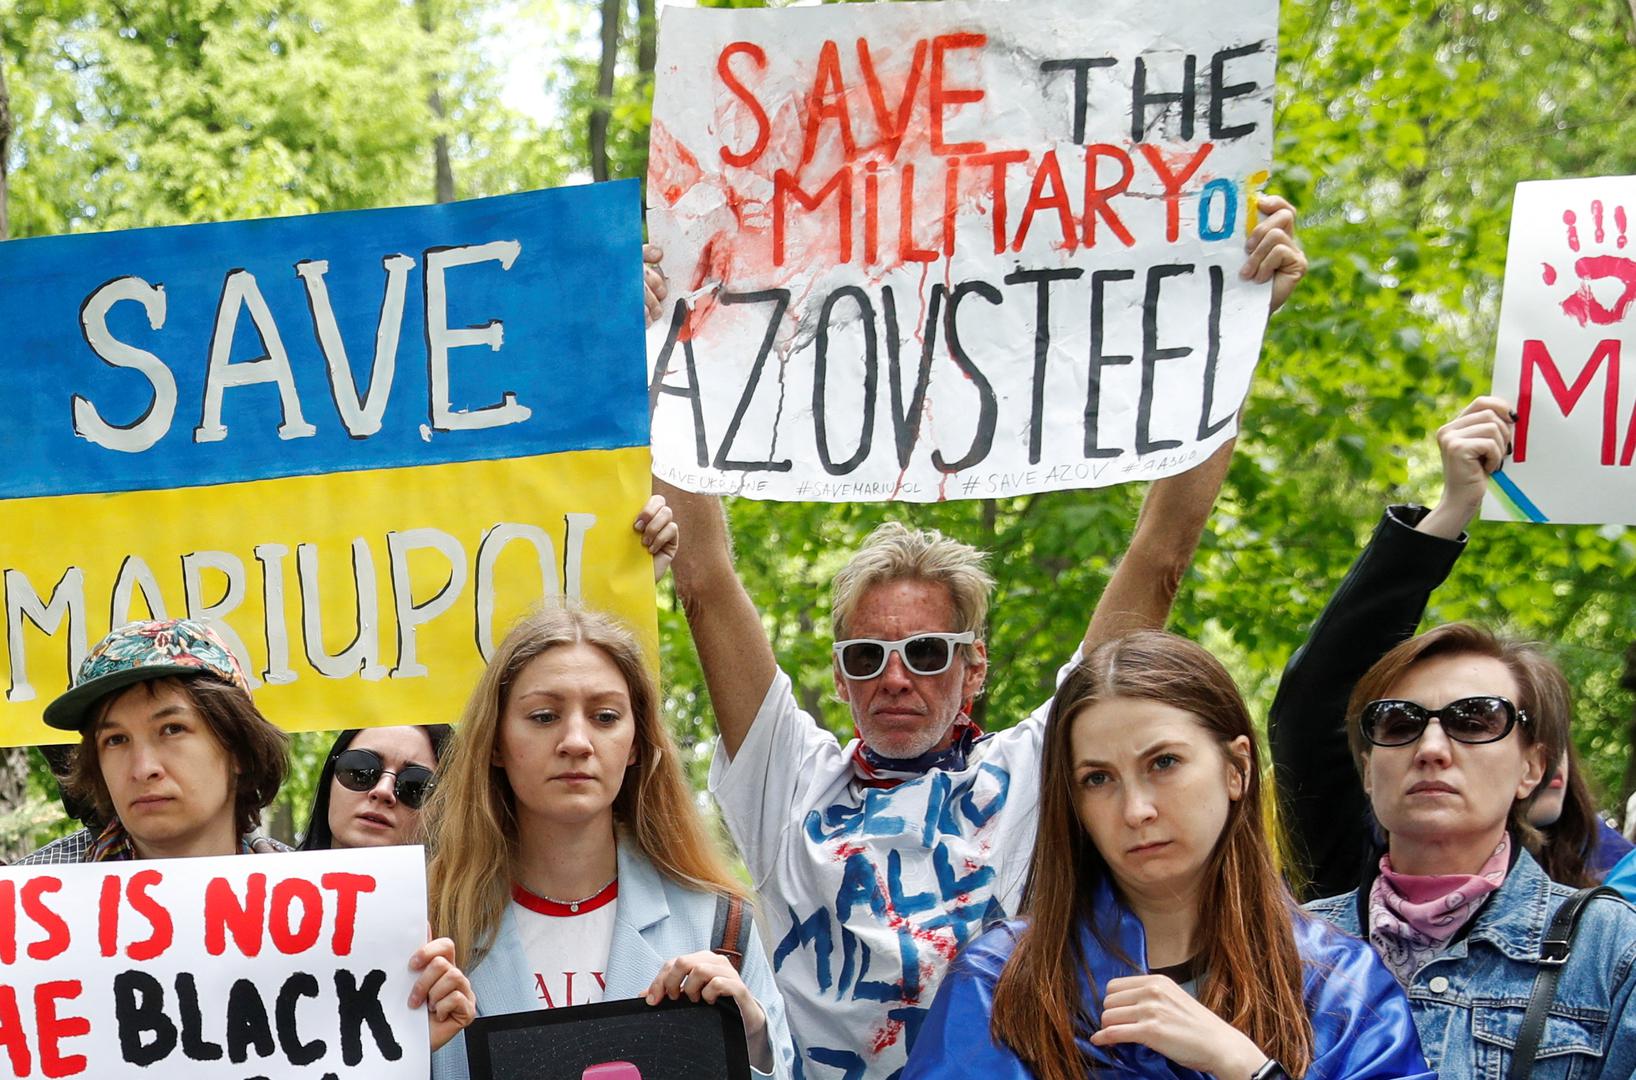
(1593, 270)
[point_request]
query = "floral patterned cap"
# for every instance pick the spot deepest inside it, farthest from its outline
(138, 652)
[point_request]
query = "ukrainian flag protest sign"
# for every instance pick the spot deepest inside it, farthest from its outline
(359, 444)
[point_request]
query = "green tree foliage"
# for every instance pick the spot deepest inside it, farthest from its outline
(136, 114)
(1403, 125)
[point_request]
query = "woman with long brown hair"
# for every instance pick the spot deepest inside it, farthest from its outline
(1157, 938)
(569, 862)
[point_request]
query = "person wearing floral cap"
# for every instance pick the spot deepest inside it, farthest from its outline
(178, 761)
(173, 753)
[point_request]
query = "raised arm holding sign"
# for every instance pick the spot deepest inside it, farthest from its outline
(880, 859)
(955, 252)
(1567, 322)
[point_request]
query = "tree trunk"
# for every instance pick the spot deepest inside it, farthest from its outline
(602, 111)
(647, 39)
(443, 183)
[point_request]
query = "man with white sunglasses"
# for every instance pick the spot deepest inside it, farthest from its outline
(877, 861)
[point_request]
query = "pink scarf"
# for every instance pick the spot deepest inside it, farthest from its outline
(1413, 918)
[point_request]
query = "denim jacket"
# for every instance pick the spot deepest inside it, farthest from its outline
(1361, 1028)
(1469, 1000)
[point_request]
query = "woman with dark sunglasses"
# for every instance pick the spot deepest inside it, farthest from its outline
(372, 787)
(1442, 730)
(1379, 604)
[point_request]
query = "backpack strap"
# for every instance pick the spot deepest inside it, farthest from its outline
(732, 925)
(1553, 954)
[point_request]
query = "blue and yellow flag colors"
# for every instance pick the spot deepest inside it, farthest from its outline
(359, 444)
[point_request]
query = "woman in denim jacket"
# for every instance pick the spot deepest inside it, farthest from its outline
(1442, 733)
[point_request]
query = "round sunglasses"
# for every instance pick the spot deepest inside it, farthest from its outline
(361, 770)
(1471, 720)
(923, 654)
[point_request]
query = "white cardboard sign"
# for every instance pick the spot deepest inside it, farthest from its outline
(955, 250)
(1567, 322)
(275, 966)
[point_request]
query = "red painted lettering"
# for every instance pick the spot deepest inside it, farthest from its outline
(893, 123)
(951, 202)
(871, 214)
(997, 162)
(223, 912)
(8, 922)
(740, 91)
(108, 916)
(906, 225)
(786, 188)
(1536, 357)
(12, 1035)
(164, 931)
(941, 97)
(347, 889)
(1173, 181)
(54, 1028)
(828, 102)
(1049, 173)
(292, 939)
(55, 942)
(1096, 197)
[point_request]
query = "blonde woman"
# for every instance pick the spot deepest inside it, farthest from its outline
(569, 863)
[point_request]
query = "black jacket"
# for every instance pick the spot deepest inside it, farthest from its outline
(1379, 605)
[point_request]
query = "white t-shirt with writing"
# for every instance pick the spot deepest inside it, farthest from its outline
(566, 947)
(868, 893)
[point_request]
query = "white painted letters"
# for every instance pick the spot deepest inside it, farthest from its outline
(152, 425)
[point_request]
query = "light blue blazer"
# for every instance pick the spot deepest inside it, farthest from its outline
(656, 921)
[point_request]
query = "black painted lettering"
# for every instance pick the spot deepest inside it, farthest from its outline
(1041, 280)
(820, 373)
(1220, 94)
(1081, 67)
(988, 405)
(657, 384)
(247, 1026)
(295, 988)
(1141, 99)
(1153, 355)
(194, 1044)
(906, 421)
(780, 299)
(360, 1005)
(1212, 357)
(146, 1034)
(1100, 360)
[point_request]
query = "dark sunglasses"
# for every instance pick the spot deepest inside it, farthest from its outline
(360, 770)
(923, 654)
(1484, 719)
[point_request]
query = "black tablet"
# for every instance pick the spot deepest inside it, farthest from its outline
(611, 1040)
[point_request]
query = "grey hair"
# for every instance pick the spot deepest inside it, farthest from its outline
(895, 552)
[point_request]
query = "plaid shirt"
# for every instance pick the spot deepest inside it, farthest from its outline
(81, 847)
